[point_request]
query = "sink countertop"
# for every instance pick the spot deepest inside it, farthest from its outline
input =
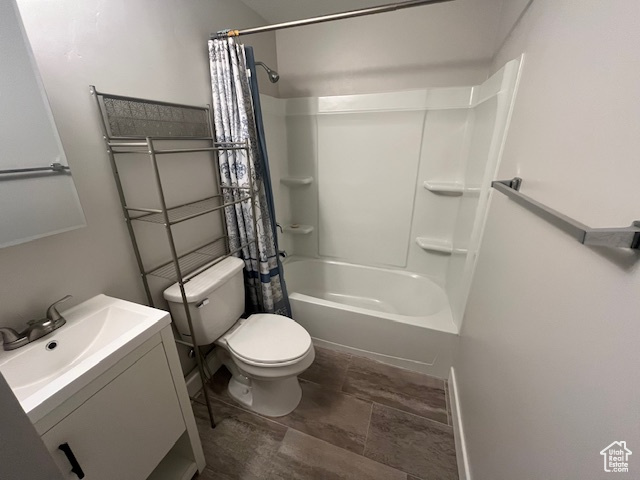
(98, 333)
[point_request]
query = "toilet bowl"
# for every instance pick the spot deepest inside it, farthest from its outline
(264, 352)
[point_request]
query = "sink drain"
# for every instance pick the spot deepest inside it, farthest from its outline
(52, 345)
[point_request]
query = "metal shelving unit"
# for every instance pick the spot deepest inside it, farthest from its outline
(134, 126)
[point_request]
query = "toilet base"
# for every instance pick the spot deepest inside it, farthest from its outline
(273, 398)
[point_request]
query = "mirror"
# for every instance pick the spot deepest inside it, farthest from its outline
(37, 193)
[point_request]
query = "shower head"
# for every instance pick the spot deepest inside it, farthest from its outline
(273, 75)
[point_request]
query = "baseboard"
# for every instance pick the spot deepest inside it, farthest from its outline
(193, 380)
(458, 430)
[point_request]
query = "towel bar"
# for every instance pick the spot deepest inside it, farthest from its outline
(622, 237)
(54, 168)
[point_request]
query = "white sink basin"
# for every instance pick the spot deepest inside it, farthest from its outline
(98, 333)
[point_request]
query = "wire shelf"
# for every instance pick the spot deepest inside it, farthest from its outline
(188, 211)
(192, 261)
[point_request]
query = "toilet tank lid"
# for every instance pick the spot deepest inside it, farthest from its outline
(206, 282)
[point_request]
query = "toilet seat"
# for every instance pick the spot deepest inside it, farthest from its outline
(268, 340)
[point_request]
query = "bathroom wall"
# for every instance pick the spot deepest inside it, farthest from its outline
(547, 367)
(154, 49)
(438, 45)
(510, 13)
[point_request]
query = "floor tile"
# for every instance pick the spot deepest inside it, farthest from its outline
(327, 414)
(302, 457)
(340, 419)
(242, 444)
(396, 387)
(217, 388)
(208, 474)
(328, 369)
(413, 444)
(219, 382)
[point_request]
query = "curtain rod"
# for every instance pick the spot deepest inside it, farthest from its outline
(391, 7)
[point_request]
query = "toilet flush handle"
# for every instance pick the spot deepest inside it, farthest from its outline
(203, 303)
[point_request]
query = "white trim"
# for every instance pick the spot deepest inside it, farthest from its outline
(458, 431)
(193, 380)
(444, 98)
(440, 98)
(173, 361)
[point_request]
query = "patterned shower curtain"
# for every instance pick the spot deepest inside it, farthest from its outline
(235, 121)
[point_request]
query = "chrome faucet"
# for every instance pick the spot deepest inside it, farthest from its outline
(35, 328)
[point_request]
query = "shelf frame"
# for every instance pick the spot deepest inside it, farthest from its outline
(151, 214)
(117, 144)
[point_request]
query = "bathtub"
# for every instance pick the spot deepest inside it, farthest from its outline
(396, 317)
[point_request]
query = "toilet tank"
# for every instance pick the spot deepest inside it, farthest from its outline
(215, 298)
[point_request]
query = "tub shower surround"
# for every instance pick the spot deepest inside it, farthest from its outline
(393, 316)
(383, 199)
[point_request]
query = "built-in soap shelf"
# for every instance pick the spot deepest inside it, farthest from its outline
(449, 188)
(298, 229)
(295, 181)
(440, 246)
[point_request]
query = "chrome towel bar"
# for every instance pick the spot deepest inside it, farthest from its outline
(623, 237)
(54, 168)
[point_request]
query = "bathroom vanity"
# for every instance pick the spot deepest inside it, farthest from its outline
(107, 394)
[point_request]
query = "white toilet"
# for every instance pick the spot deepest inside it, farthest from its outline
(265, 352)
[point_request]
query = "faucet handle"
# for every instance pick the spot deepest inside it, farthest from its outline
(52, 311)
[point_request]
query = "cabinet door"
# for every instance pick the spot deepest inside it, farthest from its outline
(124, 430)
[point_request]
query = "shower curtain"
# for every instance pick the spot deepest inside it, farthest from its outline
(237, 117)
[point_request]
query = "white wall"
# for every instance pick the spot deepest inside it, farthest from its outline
(547, 368)
(510, 13)
(154, 49)
(437, 45)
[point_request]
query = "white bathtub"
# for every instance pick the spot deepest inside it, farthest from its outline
(396, 317)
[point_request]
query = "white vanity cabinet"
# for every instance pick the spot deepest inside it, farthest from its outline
(133, 422)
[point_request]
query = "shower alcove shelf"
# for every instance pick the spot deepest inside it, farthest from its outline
(439, 246)
(133, 127)
(295, 181)
(454, 189)
(298, 229)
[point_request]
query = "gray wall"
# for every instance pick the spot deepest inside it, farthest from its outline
(438, 45)
(147, 48)
(547, 368)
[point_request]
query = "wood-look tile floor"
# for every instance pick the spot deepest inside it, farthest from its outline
(358, 419)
